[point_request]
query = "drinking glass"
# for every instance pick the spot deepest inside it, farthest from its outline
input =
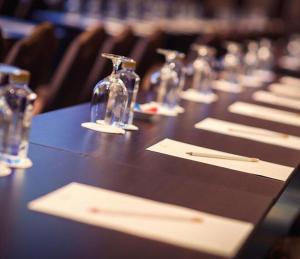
(131, 81)
(171, 78)
(293, 46)
(265, 55)
(110, 96)
(251, 58)
(232, 62)
(203, 71)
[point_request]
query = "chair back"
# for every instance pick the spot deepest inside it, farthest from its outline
(144, 53)
(1, 46)
(35, 53)
(121, 44)
(73, 70)
(7, 7)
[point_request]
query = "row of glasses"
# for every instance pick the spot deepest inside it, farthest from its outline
(135, 8)
(238, 68)
(255, 64)
(114, 97)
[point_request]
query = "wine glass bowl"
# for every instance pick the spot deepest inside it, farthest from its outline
(110, 96)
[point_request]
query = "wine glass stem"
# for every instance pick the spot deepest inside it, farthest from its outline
(116, 65)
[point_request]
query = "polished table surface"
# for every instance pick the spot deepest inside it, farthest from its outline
(63, 152)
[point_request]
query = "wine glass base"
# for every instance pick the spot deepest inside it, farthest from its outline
(4, 170)
(103, 128)
(130, 127)
(15, 162)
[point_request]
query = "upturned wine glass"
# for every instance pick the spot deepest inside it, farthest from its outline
(232, 62)
(131, 81)
(251, 61)
(110, 96)
(171, 78)
(202, 68)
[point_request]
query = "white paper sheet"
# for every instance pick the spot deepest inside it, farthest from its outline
(265, 113)
(195, 96)
(252, 133)
(146, 218)
(180, 149)
(226, 86)
(289, 80)
(267, 97)
(285, 90)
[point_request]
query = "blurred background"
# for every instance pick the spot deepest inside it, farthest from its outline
(59, 41)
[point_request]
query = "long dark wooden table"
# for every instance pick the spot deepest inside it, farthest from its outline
(63, 152)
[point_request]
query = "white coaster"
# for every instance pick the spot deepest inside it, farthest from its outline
(267, 97)
(179, 109)
(126, 127)
(225, 86)
(289, 63)
(265, 75)
(159, 221)
(289, 80)
(4, 170)
(131, 127)
(250, 81)
(199, 97)
(165, 111)
(15, 162)
(285, 90)
(103, 128)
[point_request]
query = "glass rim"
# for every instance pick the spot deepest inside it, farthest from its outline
(116, 57)
(166, 52)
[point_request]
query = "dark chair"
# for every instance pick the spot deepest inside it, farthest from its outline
(1, 46)
(25, 8)
(72, 72)
(7, 7)
(145, 54)
(121, 44)
(35, 54)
